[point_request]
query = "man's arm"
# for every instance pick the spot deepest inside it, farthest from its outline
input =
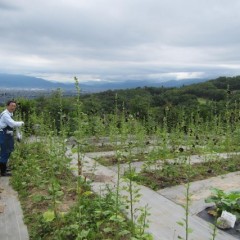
(10, 122)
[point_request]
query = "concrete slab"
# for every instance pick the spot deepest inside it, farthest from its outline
(164, 213)
(200, 190)
(12, 226)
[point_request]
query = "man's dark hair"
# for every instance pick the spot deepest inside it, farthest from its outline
(11, 101)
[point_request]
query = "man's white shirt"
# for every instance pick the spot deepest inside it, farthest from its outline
(6, 120)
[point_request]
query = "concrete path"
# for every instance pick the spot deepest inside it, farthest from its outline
(200, 190)
(11, 217)
(164, 213)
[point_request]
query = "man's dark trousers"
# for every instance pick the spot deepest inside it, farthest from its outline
(6, 148)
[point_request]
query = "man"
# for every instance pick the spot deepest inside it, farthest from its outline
(7, 124)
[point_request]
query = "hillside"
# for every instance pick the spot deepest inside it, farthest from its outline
(155, 99)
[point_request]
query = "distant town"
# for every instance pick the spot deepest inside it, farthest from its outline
(20, 86)
(8, 94)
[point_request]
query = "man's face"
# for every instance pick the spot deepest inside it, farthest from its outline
(11, 107)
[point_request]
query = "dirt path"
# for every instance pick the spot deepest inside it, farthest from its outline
(12, 226)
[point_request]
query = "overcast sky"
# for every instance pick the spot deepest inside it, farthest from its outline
(117, 40)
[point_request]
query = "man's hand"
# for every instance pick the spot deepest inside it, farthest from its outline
(19, 136)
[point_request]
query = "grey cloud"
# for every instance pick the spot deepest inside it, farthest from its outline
(119, 38)
(6, 6)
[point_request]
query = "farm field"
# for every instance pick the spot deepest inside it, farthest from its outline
(48, 165)
(120, 176)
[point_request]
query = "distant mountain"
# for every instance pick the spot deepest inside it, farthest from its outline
(27, 82)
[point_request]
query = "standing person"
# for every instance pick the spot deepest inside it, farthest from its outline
(7, 124)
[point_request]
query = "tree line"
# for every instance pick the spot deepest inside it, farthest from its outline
(148, 104)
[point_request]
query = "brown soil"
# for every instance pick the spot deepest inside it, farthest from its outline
(175, 174)
(112, 160)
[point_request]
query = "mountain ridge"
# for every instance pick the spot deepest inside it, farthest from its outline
(27, 82)
(22, 81)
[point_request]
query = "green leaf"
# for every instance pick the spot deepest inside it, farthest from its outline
(124, 232)
(189, 230)
(107, 230)
(99, 223)
(62, 214)
(83, 234)
(48, 216)
(37, 198)
(117, 218)
(87, 193)
(59, 193)
(180, 223)
(74, 226)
